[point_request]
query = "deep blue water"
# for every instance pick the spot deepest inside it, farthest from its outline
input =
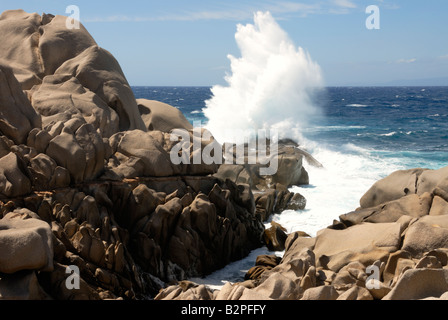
(407, 122)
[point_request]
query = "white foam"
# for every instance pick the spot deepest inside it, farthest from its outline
(233, 272)
(390, 134)
(355, 105)
(271, 85)
(334, 189)
(330, 128)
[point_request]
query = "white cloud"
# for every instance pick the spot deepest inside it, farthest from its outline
(116, 18)
(406, 60)
(280, 9)
(344, 4)
(183, 16)
(445, 57)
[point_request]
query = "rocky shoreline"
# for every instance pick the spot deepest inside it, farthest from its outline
(86, 178)
(394, 247)
(86, 182)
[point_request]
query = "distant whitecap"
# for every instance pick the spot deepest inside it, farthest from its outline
(356, 105)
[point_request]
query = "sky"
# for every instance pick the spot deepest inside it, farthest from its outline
(186, 43)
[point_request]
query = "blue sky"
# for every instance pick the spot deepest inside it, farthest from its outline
(186, 43)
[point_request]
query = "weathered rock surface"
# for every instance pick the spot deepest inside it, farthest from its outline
(420, 283)
(160, 116)
(181, 234)
(62, 97)
(137, 153)
(13, 181)
(18, 116)
(97, 70)
(365, 242)
(393, 248)
(288, 162)
(25, 245)
(45, 47)
(87, 178)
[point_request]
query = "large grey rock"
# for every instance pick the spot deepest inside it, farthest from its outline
(148, 154)
(420, 284)
(160, 116)
(405, 182)
(430, 179)
(78, 147)
(404, 208)
(19, 42)
(44, 46)
(57, 43)
(13, 181)
(97, 70)
(25, 245)
(366, 242)
(35, 45)
(287, 164)
(426, 234)
(396, 185)
(62, 97)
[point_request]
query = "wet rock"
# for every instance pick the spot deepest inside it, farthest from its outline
(275, 237)
(262, 264)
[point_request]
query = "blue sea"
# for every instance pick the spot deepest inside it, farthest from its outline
(361, 135)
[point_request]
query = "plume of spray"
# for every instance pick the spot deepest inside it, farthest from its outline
(271, 86)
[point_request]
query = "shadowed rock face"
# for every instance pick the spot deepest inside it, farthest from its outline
(86, 178)
(18, 116)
